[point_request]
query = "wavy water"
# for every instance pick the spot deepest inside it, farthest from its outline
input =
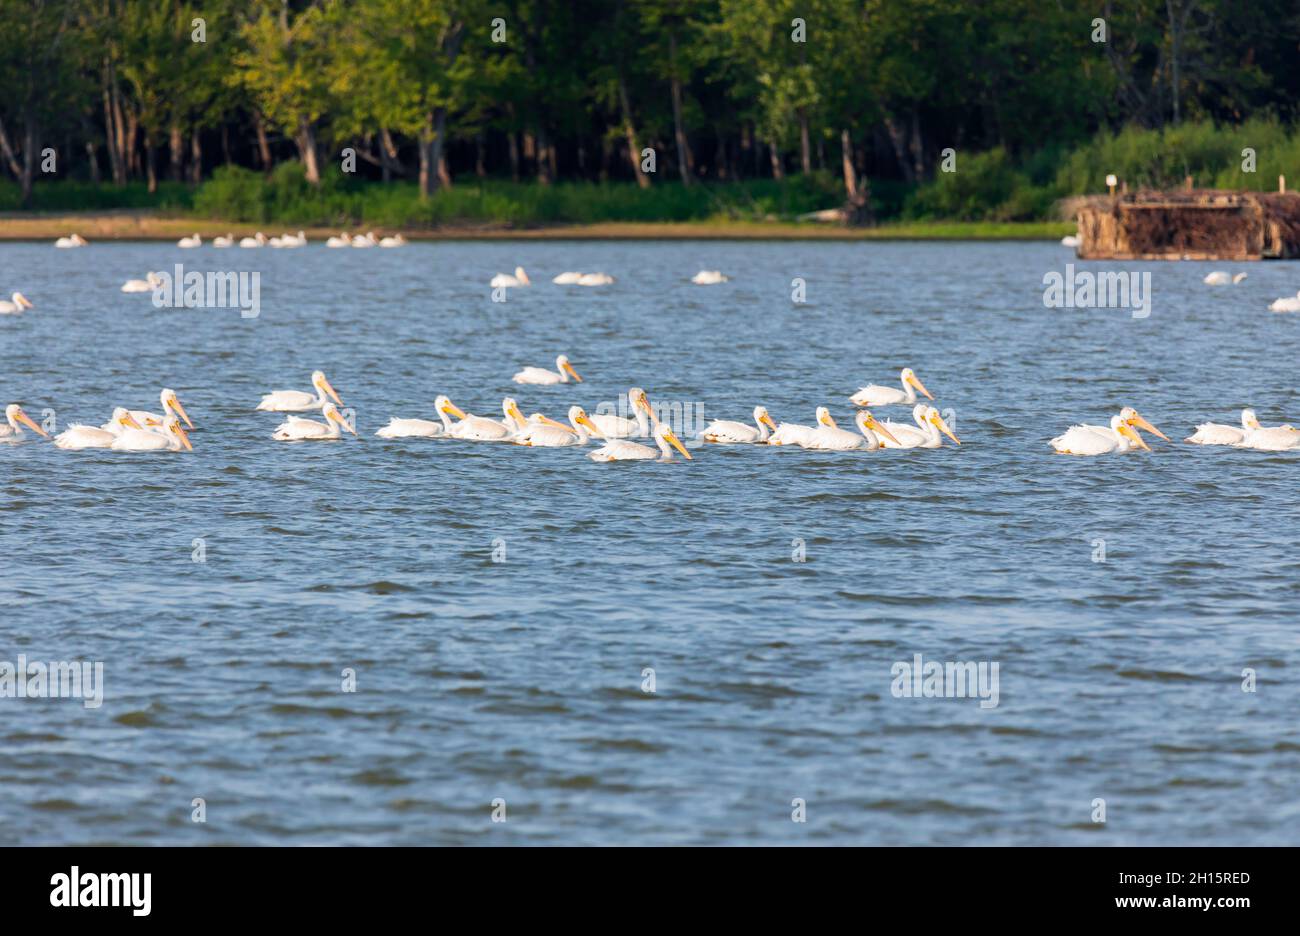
(523, 680)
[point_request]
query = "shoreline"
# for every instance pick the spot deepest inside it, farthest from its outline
(133, 226)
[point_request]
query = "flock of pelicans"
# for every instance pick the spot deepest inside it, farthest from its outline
(141, 431)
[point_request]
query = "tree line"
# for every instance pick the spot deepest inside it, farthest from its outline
(636, 90)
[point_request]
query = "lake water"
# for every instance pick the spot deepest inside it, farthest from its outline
(522, 681)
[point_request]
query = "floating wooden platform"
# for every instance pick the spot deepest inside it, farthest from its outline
(1194, 224)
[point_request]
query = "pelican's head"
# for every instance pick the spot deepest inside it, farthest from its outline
(1131, 418)
(122, 416)
(933, 417)
(15, 415)
(824, 418)
(664, 432)
(564, 367)
(323, 386)
(1249, 420)
(909, 377)
(866, 421)
(21, 301)
(153, 279)
(761, 416)
(1130, 433)
(444, 405)
(172, 403)
(511, 409)
(332, 414)
(522, 276)
(578, 416)
(173, 427)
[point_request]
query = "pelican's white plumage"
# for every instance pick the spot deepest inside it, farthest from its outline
(876, 395)
(626, 450)
(171, 406)
(1268, 438)
(728, 432)
(15, 304)
(1223, 278)
(297, 429)
(15, 419)
(791, 434)
(396, 240)
(925, 434)
(511, 282)
(78, 436)
(151, 282)
(1220, 434)
(341, 241)
(473, 428)
(190, 242)
(227, 241)
(1070, 240)
(613, 426)
(1286, 304)
(1097, 440)
(420, 428)
(709, 278)
(539, 375)
(551, 434)
(829, 436)
(367, 240)
(169, 437)
(298, 401)
(567, 279)
(76, 240)
(595, 279)
(257, 240)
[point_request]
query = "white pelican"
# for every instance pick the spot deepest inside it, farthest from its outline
(876, 395)
(925, 434)
(189, 242)
(170, 437)
(613, 426)
(341, 241)
(595, 279)
(171, 406)
(419, 428)
(727, 432)
(76, 240)
(1131, 419)
(296, 401)
(830, 436)
(539, 375)
(1222, 278)
(150, 282)
(16, 419)
(791, 434)
(568, 279)
(1095, 440)
(15, 305)
(78, 436)
(257, 240)
(1070, 240)
(1270, 438)
(365, 240)
(227, 241)
(1286, 304)
(547, 432)
(396, 240)
(297, 429)
(482, 429)
(505, 279)
(1219, 434)
(709, 277)
(626, 450)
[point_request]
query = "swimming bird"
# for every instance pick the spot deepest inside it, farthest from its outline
(1286, 304)
(169, 437)
(568, 279)
(396, 240)
(1070, 240)
(595, 279)
(792, 434)
(925, 434)
(365, 240)
(1097, 440)
(539, 375)
(227, 241)
(829, 436)
(1222, 278)
(876, 395)
(15, 304)
(1270, 438)
(626, 450)
(76, 240)
(709, 277)
(1132, 419)
(151, 282)
(419, 428)
(341, 241)
(542, 431)
(79, 436)
(298, 429)
(257, 240)
(1220, 434)
(171, 406)
(296, 401)
(727, 432)
(506, 280)
(16, 419)
(473, 428)
(613, 426)
(189, 242)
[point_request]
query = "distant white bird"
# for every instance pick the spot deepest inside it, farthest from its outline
(551, 434)
(16, 419)
(793, 433)
(925, 434)
(539, 375)
(1223, 278)
(420, 428)
(170, 437)
(296, 401)
(341, 241)
(876, 395)
(473, 428)
(1287, 304)
(614, 426)
(1097, 440)
(257, 240)
(626, 450)
(728, 432)
(829, 436)
(151, 282)
(568, 279)
(1220, 434)
(1070, 240)
(396, 240)
(171, 406)
(595, 279)
(76, 240)
(189, 242)
(709, 277)
(227, 241)
(15, 305)
(297, 429)
(1270, 438)
(78, 436)
(506, 280)
(365, 240)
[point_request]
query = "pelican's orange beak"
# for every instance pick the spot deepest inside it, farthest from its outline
(938, 423)
(915, 382)
(27, 421)
(584, 421)
(556, 423)
(767, 421)
(568, 369)
(185, 438)
(328, 388)
(1133, 435)
(176, 405)
(677, 444)
(452, 409)
(1142, 423)
(875, 426)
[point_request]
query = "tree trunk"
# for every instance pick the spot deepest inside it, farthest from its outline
(132, 151)
(543, 157)
(263, 147)
(7, 152)
(778, 171)
(439, 152)
(29, 159)
(857, 202)
(150, 162)
(512, 139)
(428, 170)
(805, 144)
(899, 144)
(918, 149)
(480, 156)
(684, 159)
(306, 140)
(225, 143)
(629, 132)
(176, 149)
(196, 157)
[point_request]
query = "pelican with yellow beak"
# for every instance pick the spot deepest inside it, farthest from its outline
(929, 423)
(627, 450)
(78, 436)
(297, 401)
(171, 406)
(829, 436)
(170, 437)
(638, 426)
(16, 419)
(15, 304)
(1098, 440)
(482, 429)
(727, 432)
(1132, 420)
(539, 375)
(876, 395)
(297, 429)
(547, 432)
(419, 428)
